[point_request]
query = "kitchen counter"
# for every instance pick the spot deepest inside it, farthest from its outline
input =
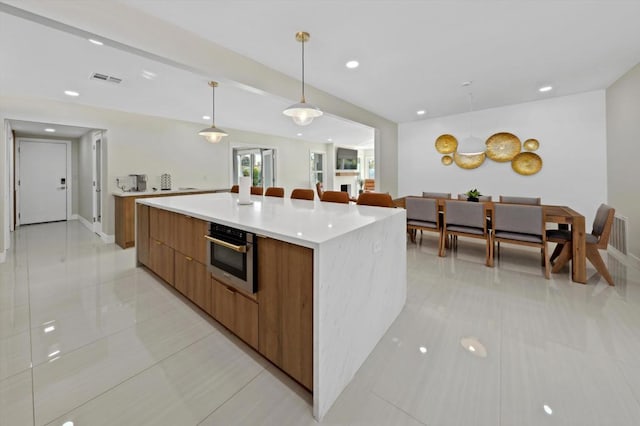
(302, 222)
(161, 193)
(359, 282)
(125, 210)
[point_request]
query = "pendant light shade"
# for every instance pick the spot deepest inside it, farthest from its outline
(302, 113)
(213, 134)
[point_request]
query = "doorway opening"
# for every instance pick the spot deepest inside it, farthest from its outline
(259, 163)
(43, 170)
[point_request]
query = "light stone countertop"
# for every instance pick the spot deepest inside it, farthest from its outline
(302, 222)
(161, 192)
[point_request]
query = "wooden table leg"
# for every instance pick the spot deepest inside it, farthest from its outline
(578, 243)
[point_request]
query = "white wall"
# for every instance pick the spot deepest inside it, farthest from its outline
(85, 173)
(623, 151)
(572, 136)
(136, 143)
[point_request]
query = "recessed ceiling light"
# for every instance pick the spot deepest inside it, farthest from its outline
(545, 88)
(423, 349)
(149, 75)
(96, 42)
(421, 112)
(329, 140)
(299, 134)
(71, 93)
(50, 130)
(206, 117)
(547, 409)
(69, 423)
(352, 64)
(466, 83)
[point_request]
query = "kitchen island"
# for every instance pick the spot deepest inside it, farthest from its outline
(125, 209)
(331, 278)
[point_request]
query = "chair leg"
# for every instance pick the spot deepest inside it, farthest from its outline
(490, 245)
(545, 262)
(563, 258)
(556, 251)
(498, 249)
(594, 257)
(441, 248)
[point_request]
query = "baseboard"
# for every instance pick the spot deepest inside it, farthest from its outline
(3, 256)
(86, 223)
(108, 239)
(628, 259)
(73, 217)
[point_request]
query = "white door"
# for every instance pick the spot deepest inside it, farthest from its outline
(42, 184)
(97, 182)
(268, 168)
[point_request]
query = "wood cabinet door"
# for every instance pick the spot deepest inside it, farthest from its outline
(246, 319)
(142, 237)
(285, 306)
(162, 226)
(183, 274)
(189, 237)
(161, 260)
(223, 304)
(124, 221)
(202, 289)
(199, 243)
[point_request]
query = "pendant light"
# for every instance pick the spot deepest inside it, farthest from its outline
(302, 113)
(213, 134)
(471, 145)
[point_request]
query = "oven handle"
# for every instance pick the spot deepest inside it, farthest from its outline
(239, 249)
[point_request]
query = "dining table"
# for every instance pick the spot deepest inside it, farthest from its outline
(565, 217)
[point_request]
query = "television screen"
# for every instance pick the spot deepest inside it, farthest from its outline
(346, 159)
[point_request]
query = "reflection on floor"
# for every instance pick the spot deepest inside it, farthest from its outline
(87, 337)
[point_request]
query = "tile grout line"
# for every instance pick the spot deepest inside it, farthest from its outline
(131, 377)
(396, 407)
(500, 366)
(231, 397)
(106, 335)
(33, 392)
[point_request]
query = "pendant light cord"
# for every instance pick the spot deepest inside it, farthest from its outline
(470, 114)
(303, 98)
(213, 106)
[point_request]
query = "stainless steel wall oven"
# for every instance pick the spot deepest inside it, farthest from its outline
(233, 256)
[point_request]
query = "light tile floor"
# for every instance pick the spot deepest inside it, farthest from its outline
(87, 337)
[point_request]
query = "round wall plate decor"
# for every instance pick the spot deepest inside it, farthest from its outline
(527, 163)
(503, 147)
(469, 161)
(531, 144)
(446, 144)
(447, 160)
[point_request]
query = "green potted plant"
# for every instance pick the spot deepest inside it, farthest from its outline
(473, 195)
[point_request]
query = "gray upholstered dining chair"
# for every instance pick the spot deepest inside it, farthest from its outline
(445, 195)
(523, 225)
(596, 240)
(465, 219)
(422, 214)
(463, 197)
(532, 201)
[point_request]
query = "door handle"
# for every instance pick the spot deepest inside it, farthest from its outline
(239, 249)
(62, 187)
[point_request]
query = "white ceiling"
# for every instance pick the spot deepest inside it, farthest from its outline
(39, 61)
(413, 54)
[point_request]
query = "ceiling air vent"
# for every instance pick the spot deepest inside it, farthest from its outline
(104, 77)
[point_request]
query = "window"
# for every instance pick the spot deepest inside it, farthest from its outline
(317, 168)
